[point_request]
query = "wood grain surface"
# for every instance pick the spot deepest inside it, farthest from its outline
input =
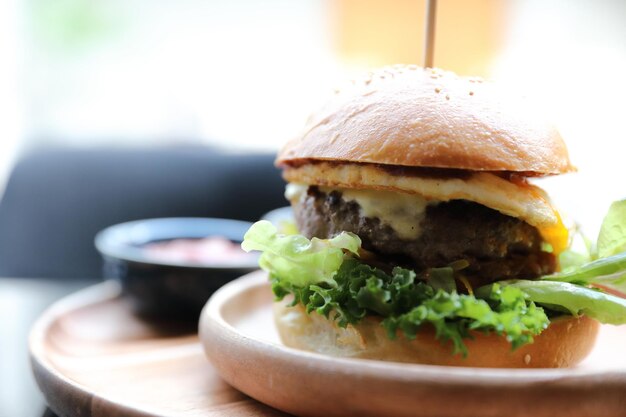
(240, 338)
(91, 356)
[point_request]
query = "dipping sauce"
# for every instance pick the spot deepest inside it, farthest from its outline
(212, 250)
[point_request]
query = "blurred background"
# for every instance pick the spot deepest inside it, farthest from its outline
(243, 75)
(91, 90)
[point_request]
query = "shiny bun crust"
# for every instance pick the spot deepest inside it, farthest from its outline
(566, 342)
(410, 116)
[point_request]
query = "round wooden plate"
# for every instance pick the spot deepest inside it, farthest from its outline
(240, 339)
(91, 356)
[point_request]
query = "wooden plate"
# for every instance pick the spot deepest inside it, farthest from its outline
(92, 356)
(239, 337)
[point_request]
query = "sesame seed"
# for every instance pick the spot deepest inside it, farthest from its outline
(527, 359)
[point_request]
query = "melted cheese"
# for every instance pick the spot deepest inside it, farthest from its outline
(402, 212)
(520, 200)
(295, 192)
(523, 201)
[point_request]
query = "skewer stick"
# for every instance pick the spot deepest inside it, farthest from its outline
(429, 38)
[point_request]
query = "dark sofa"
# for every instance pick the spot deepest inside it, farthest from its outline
(56, 200)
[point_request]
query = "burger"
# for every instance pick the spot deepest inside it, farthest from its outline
(420, 237)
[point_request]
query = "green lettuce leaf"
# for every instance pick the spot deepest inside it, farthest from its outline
(304, 261)
(570, 260)
(609, 267)
(324, 276)
(573, 298)
(609, 272)
(406, 303)
(505, 311)
(612, 237)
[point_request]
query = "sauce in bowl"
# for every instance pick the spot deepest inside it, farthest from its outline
(211, 250)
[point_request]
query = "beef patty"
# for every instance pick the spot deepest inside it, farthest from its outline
(496, 246)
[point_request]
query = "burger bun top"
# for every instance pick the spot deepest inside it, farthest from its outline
(415, 117)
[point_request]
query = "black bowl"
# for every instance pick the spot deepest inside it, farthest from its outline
(162, 287)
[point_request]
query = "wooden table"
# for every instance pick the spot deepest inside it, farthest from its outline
(92, 355)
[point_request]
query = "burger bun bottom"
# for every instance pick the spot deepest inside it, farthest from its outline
(565, 343)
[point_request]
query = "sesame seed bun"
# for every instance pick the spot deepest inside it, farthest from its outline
(566, 342)
(409, 116)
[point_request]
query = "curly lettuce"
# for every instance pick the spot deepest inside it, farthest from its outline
(326, 281)
(325, 276)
